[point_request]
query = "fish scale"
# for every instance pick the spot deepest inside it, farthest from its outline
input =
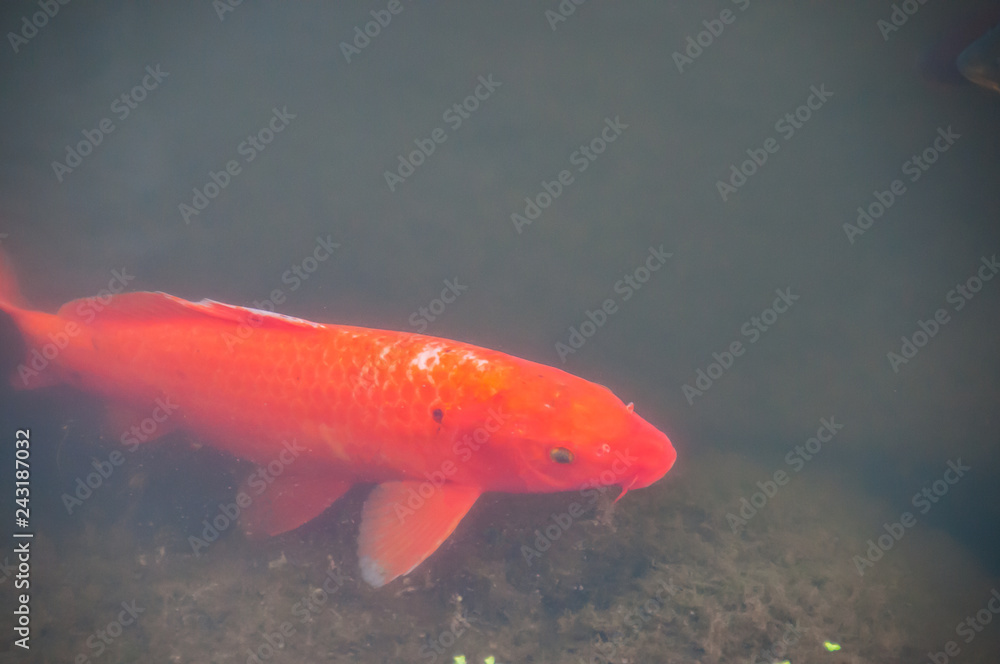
(288, 383)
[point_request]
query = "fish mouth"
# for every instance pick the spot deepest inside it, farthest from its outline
(656, 452)
(655, 473)
(652, 472)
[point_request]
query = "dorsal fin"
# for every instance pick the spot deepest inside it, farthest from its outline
(146, 306)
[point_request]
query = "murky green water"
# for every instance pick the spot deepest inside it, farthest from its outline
(791, 208)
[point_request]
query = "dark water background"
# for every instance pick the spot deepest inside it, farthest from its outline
(323, 176)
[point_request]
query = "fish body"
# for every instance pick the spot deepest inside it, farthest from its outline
(980, 62)
(965, 49)
(434, 423)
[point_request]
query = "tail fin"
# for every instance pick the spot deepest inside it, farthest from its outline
(12, 345)
(10, 295)
(15, 340)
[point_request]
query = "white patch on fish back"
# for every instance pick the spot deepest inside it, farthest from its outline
(427, 358)
(472, 358)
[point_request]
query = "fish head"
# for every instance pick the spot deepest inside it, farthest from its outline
(563, 433)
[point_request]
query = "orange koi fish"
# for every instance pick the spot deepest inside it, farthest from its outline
(433, 423)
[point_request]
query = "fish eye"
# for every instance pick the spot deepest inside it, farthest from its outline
(561, 455)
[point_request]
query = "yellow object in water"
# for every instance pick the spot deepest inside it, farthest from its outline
(831, 646)
(490, 660)
(459, 659)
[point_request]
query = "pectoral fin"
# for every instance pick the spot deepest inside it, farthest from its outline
(287, 502)
(134, 424)
(397, 535)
